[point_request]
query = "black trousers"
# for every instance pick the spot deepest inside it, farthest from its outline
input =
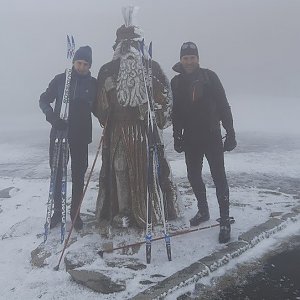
(79, 164)
(213, 151)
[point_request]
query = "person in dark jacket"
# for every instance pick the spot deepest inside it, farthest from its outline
(200, 104)
(79, 125)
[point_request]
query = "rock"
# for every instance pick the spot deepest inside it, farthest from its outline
(39, 255)
(75, 260)
(146, 282)
(157, 276)
(275, 214)
(276, 193)
(129, 263)
(8, 192)
(296, 209)
(97, 281)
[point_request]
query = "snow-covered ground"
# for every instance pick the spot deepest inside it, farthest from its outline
(263, 174)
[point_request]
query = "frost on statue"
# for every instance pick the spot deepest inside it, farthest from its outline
(122, 107)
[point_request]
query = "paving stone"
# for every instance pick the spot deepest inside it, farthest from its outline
(287, 216)
(223, 256)
(196, 269)
(256, 231)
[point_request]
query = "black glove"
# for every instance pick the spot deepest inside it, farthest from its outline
(178, 143)
(230, 142)
(60, 124)
(56, 121)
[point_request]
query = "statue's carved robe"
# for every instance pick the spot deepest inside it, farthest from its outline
(126, 138)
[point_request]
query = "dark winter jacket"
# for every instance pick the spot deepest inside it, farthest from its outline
(199, 105)
(82, 98)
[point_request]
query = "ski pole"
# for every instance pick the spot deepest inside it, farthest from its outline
(82, 197)
(176, 233)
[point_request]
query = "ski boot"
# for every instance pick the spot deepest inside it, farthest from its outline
(225, 229)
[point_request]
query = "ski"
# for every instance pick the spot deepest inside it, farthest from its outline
(155, 146)
(65, 153)
(64, 112)
(158, 151)
(61, 152)
(54, 170)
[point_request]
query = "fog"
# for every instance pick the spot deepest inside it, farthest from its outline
(253, 46)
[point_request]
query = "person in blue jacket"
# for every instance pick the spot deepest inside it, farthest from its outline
(83, 90)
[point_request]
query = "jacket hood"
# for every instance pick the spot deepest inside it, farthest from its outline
(178, 68)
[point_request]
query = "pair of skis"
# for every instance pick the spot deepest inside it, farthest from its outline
(59, 160)
(60, 155)
(155, 154)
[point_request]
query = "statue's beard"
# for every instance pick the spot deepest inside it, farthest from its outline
(131, 89)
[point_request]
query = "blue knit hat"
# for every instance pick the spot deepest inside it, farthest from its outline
(84, 53)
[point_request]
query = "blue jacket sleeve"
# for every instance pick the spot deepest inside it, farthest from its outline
(48, 97)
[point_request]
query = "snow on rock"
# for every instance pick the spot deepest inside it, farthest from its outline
(39, 255)
(130, 263)
(75, 259)
(8, 192)
(97, 281)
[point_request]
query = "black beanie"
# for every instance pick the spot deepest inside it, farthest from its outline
(84, 53)
(189, 48)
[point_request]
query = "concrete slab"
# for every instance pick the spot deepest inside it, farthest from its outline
(181, 278)
(287, 216)
(223, 256)
(266, 228)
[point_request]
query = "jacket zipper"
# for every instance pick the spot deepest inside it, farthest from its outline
(75, 89)
(194, 93)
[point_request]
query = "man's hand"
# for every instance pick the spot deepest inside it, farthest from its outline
(60, 124)
(230, 142)
(56, 121)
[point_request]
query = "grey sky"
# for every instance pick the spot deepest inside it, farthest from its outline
(253, 45)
